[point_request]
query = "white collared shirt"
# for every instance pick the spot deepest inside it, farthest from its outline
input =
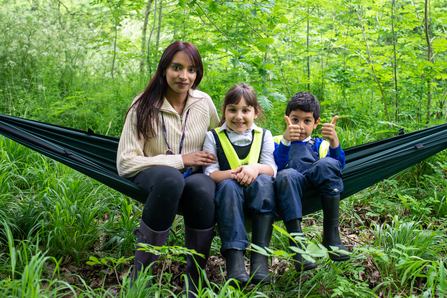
(241, 139)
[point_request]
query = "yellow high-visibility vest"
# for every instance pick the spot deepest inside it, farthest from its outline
(231, 155)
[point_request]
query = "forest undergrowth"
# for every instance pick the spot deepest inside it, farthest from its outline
(66, 235)
(379, 65)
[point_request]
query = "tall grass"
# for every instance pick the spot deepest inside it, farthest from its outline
(58, 217)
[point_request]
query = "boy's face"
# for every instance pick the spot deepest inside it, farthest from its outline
(306, 121)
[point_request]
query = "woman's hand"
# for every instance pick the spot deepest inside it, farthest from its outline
(245, 175)
(198, 158)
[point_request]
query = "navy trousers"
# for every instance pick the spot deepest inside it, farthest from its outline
(324, 175)
(232, 199)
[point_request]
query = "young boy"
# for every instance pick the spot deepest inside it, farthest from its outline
(305, 162)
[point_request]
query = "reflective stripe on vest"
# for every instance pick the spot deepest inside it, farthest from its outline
(231, 155)
(322, 152)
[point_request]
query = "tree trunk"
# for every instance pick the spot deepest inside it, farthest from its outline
(429, 56)
(149, 40)
(143, 39)
(114, 44)
(160, 6)
(393, 6)
(372, 66)
(308, 58)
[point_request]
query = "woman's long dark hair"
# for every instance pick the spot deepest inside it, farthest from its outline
(148, 105)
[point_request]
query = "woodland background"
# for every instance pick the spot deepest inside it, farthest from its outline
(379, 65)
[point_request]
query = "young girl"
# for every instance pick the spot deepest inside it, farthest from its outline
(244, 174)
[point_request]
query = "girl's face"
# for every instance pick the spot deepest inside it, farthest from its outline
(180, 75)
(239, 117)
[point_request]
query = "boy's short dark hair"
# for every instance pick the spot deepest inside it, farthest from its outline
(306, 102)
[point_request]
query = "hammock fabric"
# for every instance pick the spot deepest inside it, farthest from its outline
(94, 155)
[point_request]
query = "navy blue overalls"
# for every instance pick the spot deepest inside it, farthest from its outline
(232, 199)
(305, 169)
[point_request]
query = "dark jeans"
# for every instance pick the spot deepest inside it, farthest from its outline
(170, 192)
(232, 199)
(323, 175)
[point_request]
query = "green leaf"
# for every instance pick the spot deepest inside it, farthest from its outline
(266, 41)
(316, 251)
(230, 4)
(266, 10)
(278, 96)
(253, 12)
(214, 7)
(265, 102)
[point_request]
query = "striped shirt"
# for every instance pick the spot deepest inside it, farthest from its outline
(135, 155)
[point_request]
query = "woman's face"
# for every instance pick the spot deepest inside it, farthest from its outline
(180, 75)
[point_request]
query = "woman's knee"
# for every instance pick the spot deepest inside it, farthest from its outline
(199, 185)
(160, 178)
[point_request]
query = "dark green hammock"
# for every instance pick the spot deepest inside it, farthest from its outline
(95, 155)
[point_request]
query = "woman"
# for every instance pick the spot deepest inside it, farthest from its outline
(162, 137)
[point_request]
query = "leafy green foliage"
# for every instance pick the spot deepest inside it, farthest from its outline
(366, 62)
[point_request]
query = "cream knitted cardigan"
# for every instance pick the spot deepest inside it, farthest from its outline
(135, 155)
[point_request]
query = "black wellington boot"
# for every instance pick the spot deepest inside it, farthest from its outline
(143, 259)
(236, 266)
(301, 264)
(331, 236)
(262, 232)
(200, 241)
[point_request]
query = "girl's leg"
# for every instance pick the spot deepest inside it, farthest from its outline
(198, 209)
(165, 186)
(231, 225)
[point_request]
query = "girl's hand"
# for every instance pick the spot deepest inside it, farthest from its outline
(245, 175)
(198, 158)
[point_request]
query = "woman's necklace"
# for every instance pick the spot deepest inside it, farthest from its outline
(169, 151)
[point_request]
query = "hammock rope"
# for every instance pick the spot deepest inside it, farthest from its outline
(95, 155)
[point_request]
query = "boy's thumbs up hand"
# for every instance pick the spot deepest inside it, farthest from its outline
(334, 120)
(329, 133)
(287, 120)
(292, 132)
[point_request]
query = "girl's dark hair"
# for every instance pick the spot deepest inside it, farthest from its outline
(234, 96)
(148, 105)
(306, 102)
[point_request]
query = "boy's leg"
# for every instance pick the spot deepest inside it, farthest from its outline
(289, 185)
(230, 219)
(325, 175)
(260, 203)
(301, 264)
